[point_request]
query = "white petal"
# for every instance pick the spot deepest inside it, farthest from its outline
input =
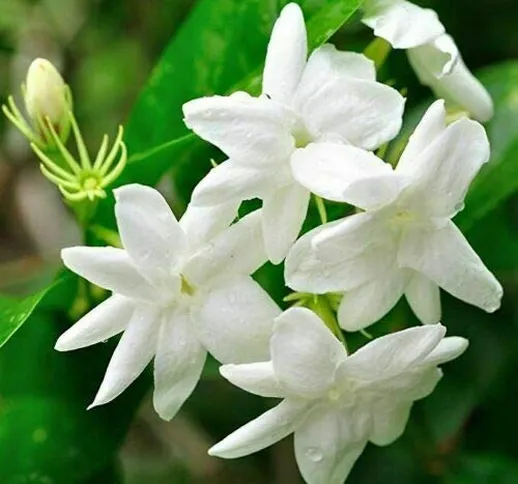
(369, 302)
(389, 420)
(393, 354)
(304, 352)
(448, 349)
(256, 378)
(149, 231)
(413, 384)
(235, 321)
(283, 215)
(101, 323)
(135, 350)
(109, 268)
(345, 174)
(327, 444)
(238, 250)
(178, 363)
(200, 224)
(286, 56)
(446, 258)
(364, 113)
(424, 383)
(326, 63)
(424, 298)
(262, 432)
(402, 23)
(435, 59)
(457, 86)
(234, 182)
(432, 124)
(447, 167)
(321, 262)
(253, 130)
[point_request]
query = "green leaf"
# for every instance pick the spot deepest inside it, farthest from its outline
(498, 179)
(13, 313)
(46, 431)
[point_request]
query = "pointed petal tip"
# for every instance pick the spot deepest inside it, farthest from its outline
(126, 191)
(94, 404)
(62, 344)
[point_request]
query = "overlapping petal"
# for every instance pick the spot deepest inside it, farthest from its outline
(149, 231)
(234, 182)
(178, 362)
(236, 251)
(374, 112)
(448, 349)
(389, 419)
(109, 268)
(245, 128)
(283, 214)
(402, 23)
(305, 354)
(234, 321)
(200, 224)
(431, 126)
(326, 63)
(446, 258)
(346, 174)
(455, 83)
(328, 443)
(101, 323)
(257, 378)
(135, 350)
(368, 303)
(286, 55)
(321, 262)
(264, 431)
(447, 167)
(424, 298)
(393, 354)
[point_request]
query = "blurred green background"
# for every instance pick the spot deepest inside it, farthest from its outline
(465, 433)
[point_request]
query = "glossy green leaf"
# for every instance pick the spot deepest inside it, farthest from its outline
(46, 432)
(14, 312)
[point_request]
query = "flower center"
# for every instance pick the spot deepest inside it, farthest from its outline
(403, 217)
(186, 288)
(300, 134)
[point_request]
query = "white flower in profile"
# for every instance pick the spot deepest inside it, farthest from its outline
(432, 53)
(335, 403)
(404, 242)
(166, 283)
(331, 95)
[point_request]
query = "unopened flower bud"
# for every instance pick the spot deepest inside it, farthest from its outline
(46, 93)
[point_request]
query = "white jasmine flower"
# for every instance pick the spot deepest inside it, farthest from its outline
(335, 403)
(332, 95)
(431, 52)
(404, 242)
(165, 282)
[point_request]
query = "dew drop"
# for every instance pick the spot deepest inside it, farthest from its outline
(314, 454)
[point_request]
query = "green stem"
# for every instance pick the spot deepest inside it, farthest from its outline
(321, 207)
(378, 51)
(320, 305)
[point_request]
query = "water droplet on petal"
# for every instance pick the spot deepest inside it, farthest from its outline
(314, 454)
